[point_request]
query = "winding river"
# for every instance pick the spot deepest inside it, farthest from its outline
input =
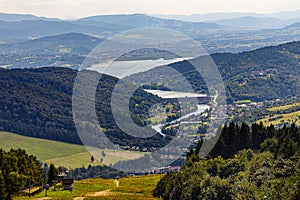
(200, 109)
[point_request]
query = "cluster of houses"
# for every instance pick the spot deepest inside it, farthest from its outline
(165, 170)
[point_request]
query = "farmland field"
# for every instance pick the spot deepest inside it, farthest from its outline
(60, 153)
(285, 107)
(293, 117)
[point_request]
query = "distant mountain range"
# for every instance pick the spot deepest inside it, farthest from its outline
(24, 27)
(24, 33)
(231, 15)
(256, 22)
(99, 26)
(141, 20)
(20, 17)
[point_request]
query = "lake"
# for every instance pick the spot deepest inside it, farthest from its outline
(122, 69)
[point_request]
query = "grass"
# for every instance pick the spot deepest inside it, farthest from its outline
(242, 101)
(282, 118)
(285, 107)
(60, 153)
(137, 188)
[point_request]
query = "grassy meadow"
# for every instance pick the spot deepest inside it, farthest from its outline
(64, 154)
(135, 188)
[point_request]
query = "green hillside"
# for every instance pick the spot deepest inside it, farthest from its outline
(60, 153)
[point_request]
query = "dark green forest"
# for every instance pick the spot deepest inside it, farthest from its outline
(38, 103)
(239, 165)
(18, 170)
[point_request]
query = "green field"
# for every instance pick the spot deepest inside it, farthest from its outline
(60, 153)
(136, 188)
(285, 107)
(242, 101)
(293, 117)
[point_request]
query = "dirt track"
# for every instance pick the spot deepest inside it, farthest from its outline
(98, 194)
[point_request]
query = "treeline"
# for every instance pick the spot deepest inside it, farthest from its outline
(96, 172)
(38, 103)
(282, 142)
(239, 165)
(18, 171)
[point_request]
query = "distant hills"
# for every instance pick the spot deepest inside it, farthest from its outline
(235, 32)
(231, 15)
(32, 29)
(79, 43)
(254, 22)
(141, 20)
(8, 17)
(74, 43)
(100, 26)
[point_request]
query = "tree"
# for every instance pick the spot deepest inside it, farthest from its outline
(3, 192)
(103, 154)
(16, 168)
(52, 174)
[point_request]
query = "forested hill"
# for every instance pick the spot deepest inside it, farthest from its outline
(263, 74)
(38, 103)
(241, 165)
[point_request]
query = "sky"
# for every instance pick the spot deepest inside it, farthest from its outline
(72, 9)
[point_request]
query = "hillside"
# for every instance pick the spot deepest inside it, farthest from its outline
(62, 154)
(263, 74)
(37, 103)
(74, 43)
(244, 164)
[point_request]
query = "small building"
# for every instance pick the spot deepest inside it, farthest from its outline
(67, 183)
(61, 176)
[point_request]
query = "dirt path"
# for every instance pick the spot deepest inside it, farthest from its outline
(98, 194)
(79, 198)
(101, 193)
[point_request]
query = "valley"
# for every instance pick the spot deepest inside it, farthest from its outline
(98, 106)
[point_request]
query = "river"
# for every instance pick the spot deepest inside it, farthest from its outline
(200, 109)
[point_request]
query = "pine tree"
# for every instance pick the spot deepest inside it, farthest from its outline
(3, 192)
(52, 174)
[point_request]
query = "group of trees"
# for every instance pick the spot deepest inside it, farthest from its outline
(18, 170)
(96, 172)
(237, 167)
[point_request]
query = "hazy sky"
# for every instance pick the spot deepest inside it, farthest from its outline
(80, 8)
